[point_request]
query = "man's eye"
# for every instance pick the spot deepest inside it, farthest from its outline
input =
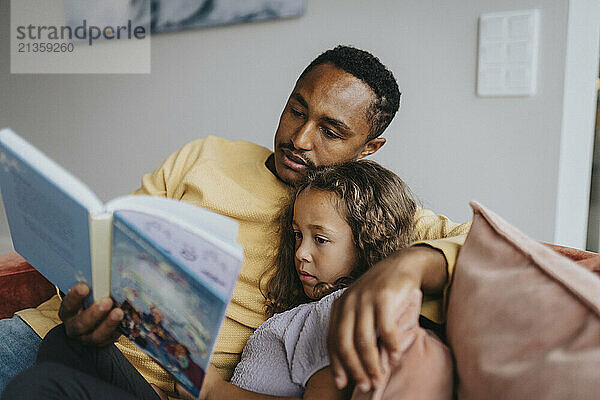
(330, 134)
(296, 113)
(320, 240)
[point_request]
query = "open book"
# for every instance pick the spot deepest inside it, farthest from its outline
(171, 266)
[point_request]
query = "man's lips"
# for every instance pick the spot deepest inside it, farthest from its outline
(293, 161)
(306, 277)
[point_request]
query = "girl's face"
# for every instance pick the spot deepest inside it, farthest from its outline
(325, 249)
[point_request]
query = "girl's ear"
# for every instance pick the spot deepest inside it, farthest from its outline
(371, 147)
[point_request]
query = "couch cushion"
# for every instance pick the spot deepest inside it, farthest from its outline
(523, 321)
(21, 286)
(586, 259)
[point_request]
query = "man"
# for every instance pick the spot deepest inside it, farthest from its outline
(339, 107)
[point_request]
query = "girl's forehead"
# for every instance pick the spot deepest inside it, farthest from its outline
(316, 197)
(315, 204)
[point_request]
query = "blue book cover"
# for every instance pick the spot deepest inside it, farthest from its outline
(172, 312)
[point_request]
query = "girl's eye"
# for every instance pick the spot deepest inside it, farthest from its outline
(321, 240)
(298, 235)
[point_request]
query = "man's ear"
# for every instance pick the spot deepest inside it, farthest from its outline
(371, 147)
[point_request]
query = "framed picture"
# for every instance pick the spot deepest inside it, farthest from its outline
(175, 15)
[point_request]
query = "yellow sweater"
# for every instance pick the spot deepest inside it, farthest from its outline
(231, 178)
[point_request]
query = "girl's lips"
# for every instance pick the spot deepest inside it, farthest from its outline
(306, 277)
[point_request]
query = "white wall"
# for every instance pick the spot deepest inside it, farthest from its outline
(579, 115)
(232, 81)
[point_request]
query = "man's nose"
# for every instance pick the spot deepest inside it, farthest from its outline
(303, 138)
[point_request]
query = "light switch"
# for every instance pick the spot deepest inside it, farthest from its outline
(507, 57)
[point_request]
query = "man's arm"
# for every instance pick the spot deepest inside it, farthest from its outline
(429, 225)
(438, 232)
(166, 178)
(371, 305)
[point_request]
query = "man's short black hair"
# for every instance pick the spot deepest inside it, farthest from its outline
(366, 67)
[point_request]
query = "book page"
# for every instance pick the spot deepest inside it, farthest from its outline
(171, 314)
(181, 213)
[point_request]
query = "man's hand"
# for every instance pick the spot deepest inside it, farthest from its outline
(95, 325)
(372, 307)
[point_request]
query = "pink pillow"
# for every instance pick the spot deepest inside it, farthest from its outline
(523, 322)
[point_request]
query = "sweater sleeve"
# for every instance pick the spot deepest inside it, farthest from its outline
(439, 232)
(163, 181)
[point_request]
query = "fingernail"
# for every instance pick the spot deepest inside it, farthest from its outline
(339, 382)
(82, 289)
(376, 384)
(396, 357)
(104, 304)
(116, 315)
(374, 381)
(364, 387)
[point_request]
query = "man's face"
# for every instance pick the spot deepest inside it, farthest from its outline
(324, 122)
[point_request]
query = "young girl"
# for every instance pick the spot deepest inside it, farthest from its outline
(342, 220)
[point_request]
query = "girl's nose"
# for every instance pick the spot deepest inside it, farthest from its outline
(302, 253)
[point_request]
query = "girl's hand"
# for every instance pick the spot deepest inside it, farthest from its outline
(212, 380)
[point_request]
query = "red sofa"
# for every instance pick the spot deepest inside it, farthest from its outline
(21, 286)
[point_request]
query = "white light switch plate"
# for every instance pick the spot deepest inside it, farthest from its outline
(507, 57)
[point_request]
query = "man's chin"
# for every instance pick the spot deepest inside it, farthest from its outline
(288, 175)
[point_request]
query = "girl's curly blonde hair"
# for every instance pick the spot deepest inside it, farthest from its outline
(377, 205)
